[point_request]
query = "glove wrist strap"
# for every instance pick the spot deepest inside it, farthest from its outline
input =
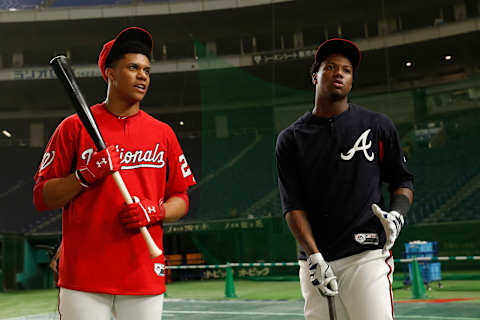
(315, 257)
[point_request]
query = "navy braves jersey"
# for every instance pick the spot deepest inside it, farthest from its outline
(333, 169)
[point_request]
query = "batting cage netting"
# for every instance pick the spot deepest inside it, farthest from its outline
(239, 218)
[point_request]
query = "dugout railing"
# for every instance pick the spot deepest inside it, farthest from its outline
(417, 283)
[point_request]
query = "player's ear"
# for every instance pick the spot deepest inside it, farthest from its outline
(314, 78)
(354, 77)
(109, 73)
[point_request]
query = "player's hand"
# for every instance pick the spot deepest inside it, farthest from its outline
(54, 265)
(101, 164)
(142, 213)
(392, 223)
(321, 275)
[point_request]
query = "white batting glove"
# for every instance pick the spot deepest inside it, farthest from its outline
(392, 222)
(321, 275)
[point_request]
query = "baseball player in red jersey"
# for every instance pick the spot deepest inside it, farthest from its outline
(105, 265)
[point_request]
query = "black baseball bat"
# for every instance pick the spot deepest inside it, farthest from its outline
(331, 308)
(65, 74)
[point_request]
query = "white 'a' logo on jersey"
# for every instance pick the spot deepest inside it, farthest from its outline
(360, 145)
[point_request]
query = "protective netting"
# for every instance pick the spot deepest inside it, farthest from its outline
(242, 115)
(238, 140)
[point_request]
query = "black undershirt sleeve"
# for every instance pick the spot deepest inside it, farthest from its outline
(394, 164)
(400, 203)
(288, 179)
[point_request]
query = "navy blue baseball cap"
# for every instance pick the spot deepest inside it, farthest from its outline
(339, 45)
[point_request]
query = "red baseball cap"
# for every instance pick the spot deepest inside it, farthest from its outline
(131, 33)
(339, 45)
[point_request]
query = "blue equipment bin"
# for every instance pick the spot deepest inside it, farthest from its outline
(430, 271)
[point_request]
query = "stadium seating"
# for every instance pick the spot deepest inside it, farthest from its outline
(446, 187)
(20, 4)
(76, 3)
(16, 193)
(242, 174)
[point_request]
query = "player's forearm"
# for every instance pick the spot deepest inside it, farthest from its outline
(175, 209)
(300, 227)
(57, 192)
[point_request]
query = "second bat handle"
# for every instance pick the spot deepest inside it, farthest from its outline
(153, 249)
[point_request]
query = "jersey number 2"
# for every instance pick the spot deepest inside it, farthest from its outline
(185, 169)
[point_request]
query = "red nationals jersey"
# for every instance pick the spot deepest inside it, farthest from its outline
(99, 254)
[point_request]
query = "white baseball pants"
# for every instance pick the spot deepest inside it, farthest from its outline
(364, 288)
(80, 305)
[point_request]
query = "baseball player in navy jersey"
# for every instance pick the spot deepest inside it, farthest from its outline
(332, 163)
(105, 266)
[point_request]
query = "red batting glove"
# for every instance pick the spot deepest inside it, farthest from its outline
(142, 213)
(101, 164)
